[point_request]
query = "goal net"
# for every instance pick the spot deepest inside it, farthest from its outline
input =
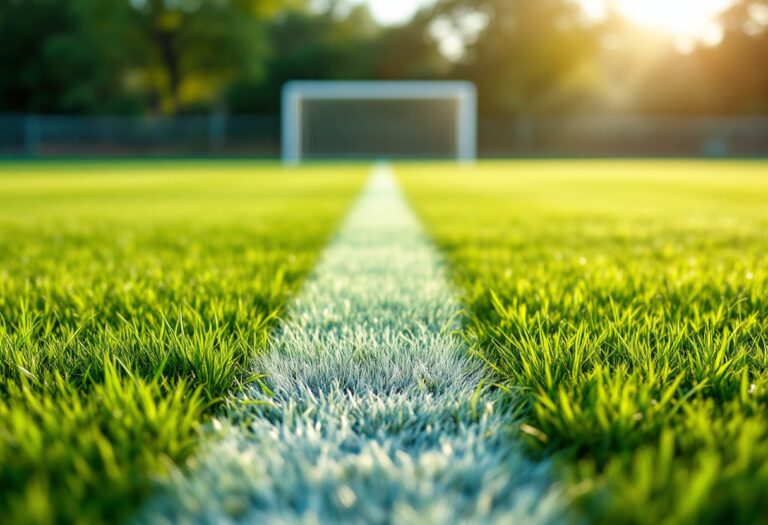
(378, 120)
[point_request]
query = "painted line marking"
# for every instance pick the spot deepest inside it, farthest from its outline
(374, 417)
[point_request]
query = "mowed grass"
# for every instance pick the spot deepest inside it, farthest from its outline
(624, 305)
(133, 298)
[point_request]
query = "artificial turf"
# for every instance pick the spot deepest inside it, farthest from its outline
(623, 305)
(133, 299)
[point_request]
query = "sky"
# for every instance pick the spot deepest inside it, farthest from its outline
(679, 18)
(686, 23)
(394, 11)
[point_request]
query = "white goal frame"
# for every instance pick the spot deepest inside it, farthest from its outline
(295, 92)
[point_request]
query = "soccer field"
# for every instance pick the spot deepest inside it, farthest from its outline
(624, 305)
(544, 341)
(133, 298)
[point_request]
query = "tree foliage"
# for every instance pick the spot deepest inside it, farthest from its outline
(523, 59)
(527, 58)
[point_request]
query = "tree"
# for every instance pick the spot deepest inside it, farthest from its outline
(740, 61)
(94, 55)
(50, 61)
(189, 49)
(525, 54)
(724, 79)
(307, 45)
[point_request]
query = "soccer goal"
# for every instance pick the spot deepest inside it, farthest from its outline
(378, 120)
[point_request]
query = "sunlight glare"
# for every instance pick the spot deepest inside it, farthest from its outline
(690, 19)
(395, 11)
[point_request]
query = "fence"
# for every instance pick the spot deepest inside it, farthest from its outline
(259, 136)
(216, 135)
(626, 136)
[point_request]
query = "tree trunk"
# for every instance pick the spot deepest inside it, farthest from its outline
(166, 42)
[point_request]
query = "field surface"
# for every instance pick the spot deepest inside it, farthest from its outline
(133, 299)
(624, 305)
(530, 342)
(375, 412)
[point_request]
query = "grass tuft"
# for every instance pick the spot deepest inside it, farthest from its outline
(626, 303)
(133, 301)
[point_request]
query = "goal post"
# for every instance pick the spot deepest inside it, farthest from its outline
(378, 119)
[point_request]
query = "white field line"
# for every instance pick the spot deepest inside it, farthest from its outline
(375, 416)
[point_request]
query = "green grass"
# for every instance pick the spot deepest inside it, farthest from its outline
(133, 298)
(622, 304)
(625, 305)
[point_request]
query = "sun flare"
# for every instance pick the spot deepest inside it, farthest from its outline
(688, 19)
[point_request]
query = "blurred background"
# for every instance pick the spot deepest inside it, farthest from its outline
(554, 77)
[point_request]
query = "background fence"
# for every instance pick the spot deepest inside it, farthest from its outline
(259, 136)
